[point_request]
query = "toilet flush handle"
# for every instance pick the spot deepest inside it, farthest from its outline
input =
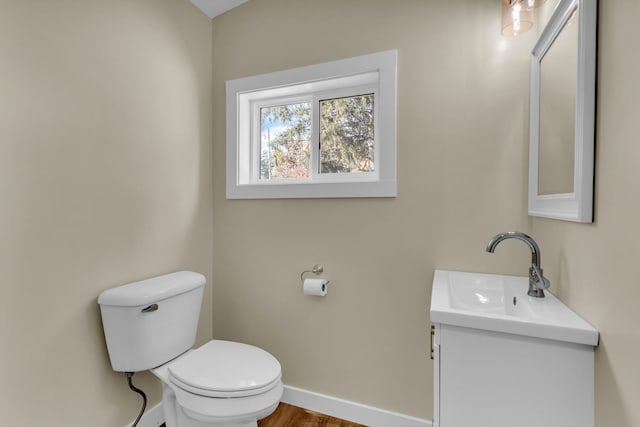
(149, 309)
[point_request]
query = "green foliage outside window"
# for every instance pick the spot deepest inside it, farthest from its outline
(347, 134)
(346, 138)
(286, 136)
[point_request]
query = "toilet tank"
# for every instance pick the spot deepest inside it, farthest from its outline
(150, 322)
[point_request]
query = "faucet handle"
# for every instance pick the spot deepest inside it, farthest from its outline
(541, 281)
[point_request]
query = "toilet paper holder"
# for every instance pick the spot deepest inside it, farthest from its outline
(317, 269)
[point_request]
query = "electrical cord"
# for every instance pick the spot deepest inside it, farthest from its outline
(141, 393)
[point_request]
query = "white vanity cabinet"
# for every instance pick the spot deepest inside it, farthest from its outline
(504, 359)
(491, 379)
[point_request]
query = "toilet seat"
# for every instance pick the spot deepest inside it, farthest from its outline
(225, 369)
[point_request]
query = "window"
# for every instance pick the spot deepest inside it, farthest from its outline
(347, 134)
(326, 130)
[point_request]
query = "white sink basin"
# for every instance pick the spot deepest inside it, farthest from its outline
(500, 303)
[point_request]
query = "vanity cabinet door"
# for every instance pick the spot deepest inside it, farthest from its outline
(489, 379)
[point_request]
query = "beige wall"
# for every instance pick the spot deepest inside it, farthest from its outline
(462, 159)
(105, 178)
(593, 267)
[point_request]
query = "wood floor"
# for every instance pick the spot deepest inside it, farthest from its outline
(292, 416)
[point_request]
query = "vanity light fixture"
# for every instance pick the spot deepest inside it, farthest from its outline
(517, 16)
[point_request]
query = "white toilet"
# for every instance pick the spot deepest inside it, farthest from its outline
(151, 325)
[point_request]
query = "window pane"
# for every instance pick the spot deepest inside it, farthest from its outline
(285, 141)
(346, 134)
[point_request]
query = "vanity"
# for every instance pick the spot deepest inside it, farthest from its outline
(505, 359)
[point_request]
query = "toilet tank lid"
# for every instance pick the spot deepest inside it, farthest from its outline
(152, 290)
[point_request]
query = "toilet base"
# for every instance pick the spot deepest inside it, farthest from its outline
(185, 421)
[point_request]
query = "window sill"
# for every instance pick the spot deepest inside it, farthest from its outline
(302, 190)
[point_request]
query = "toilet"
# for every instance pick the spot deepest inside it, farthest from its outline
(151, 325)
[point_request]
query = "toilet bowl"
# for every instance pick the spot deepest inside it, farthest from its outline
(151, 325)
(222, 383)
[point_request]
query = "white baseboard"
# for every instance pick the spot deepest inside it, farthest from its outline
(153, 417)
(333, 406)
(350, 411)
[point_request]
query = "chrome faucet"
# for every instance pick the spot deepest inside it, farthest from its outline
(537, 282)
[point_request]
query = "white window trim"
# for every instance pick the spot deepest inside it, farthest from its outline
(350, 73)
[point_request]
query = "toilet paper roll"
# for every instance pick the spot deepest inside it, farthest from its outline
(317, 287)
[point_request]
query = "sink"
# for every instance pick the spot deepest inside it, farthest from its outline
(483, 293)
(500, 303)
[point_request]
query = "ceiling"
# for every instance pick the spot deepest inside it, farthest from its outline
(213, 8)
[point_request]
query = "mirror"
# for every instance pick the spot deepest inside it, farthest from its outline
(558, 81)
(562, 123)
